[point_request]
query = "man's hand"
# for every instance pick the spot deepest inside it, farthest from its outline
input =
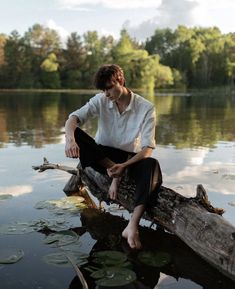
(113, 190)
(72, 149)
(116, 170)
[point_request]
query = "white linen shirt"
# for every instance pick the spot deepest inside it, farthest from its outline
(130, 131)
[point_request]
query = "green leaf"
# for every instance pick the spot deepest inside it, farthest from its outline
(5, 197)
(58, 224)
(15, 228)
(109, 257)
(10, 256)
(62, 238)
(113, 276)
(74, 247)
(60, 259)
(71, 205)
(57, 259)
(155, 259)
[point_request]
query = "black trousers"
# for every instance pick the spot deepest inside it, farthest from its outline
(146, 172)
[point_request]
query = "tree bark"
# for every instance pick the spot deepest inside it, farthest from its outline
(185, 263)
(194, 220)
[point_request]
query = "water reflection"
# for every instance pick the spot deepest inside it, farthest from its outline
(34, 119)
(195, 120)
(213, 168)
(16, 190)
(186, 121)
(195, 137)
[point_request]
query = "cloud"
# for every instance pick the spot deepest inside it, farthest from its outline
(215, 4)
(61, 30)
(112, 4)
(171, 13)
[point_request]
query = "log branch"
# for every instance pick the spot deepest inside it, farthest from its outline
(194, 220)
(49, 166)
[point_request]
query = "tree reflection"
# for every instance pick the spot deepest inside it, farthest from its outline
(188, 121)
(183, 120)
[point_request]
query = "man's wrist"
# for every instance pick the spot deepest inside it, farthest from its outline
(69, 138)
(124, 165)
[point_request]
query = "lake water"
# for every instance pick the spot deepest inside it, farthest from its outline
(195, 145)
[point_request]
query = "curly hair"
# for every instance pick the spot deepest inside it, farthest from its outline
(108, 73)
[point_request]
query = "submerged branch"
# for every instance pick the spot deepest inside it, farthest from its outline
(79, 273)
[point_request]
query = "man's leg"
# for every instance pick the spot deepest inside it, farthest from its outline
(99, 157)
(131, 232)
(148, 179)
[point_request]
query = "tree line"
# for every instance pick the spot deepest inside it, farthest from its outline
(191, 57)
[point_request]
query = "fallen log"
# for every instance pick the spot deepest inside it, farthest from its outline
(194, 220)
(185, 263)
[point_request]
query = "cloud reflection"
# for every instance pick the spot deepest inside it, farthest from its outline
(166, 281)
(211, 168)
(16, 191)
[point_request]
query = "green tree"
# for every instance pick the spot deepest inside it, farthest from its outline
(43, 39)
(210, 68)
(49, 72)
(198, 53)
(72, 61)
(3, 39)
(230, 57)
(94, 56)
(17, 71)
(162, 42)
(141, 69)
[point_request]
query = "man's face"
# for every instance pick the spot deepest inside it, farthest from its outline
(113, 91)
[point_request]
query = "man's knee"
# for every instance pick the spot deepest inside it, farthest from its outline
(147, 162)
(156, 172)
(82, 138)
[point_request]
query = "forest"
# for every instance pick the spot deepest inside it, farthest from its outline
(186, 57)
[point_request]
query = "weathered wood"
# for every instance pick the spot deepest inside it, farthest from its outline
(185, 263)
(194, 220)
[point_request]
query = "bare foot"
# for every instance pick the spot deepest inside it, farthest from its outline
(131, 233)
(113, 190)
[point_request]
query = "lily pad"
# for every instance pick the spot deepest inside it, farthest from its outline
(109, 258)
(71, 205)
(228, 177)
(16, 228)
(75, 200)
(114, 276)
(10, 256)
(155, 259)
(61, 238)
(232, 204)
(5, 197)
(58, 224)
(73, 247)
(60, 259)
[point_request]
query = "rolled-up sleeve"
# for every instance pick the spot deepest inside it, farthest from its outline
(148, 129)
(89, 110)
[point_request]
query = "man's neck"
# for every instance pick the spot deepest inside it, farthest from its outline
(125, 97)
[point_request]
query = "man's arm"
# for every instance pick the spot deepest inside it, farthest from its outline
(71, 147)
(116, 170)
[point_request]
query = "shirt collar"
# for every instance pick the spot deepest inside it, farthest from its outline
(130, 105)
(110, 103)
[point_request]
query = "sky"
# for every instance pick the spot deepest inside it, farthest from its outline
(139, 17)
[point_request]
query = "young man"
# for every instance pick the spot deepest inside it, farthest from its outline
(125, 139)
